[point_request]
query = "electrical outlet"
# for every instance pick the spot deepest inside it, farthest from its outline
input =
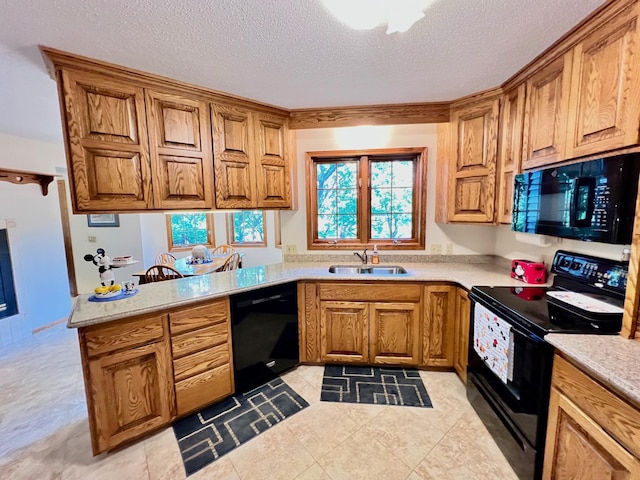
(290, 249)
(92, 239)
(448, 248)
(436, 249)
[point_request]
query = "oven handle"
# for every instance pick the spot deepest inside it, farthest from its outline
(516, 327)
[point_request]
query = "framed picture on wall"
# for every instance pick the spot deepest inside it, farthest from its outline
(103, 220)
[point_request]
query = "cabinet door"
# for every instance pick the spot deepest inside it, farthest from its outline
(605, 88)
(182, 167)
(233, 156)
(438, 325)
(344, 328)
(510, 150)
(545, 114)
(577, 447)
(132, 394)
(461, 344)
(472, 180)
(395, 333)
(106, 136)
(272, 162)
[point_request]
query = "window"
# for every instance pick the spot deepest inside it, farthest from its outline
(247, 228)
(184, 230)
(361, 198)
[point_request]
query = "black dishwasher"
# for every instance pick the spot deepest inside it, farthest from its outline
(264, 333)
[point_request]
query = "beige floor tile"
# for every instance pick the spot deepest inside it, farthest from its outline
(314, 472)
(406, 436)
(221, 469)
(321, 427)
(361, 413)
(361, 457)
(275, 455)
(164, 461)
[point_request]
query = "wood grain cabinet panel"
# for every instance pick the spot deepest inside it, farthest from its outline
(395, 333)
(106, 135)
(344, 332)
(180, 142)
(510, 157)
(545, 114)
(204, 388)
(472, 179)
(461, 335)
(252, 165)
(132, 394)
(438, 325)
(605, 88)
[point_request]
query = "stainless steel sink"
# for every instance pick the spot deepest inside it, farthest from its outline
(368, 269)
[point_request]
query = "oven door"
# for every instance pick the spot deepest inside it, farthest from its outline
(521, 404)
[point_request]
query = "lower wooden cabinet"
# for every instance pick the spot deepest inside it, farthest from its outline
(461, 344)
(592, 433)
(142, 373)
(438, 325)
(344, 328)
(395, 333)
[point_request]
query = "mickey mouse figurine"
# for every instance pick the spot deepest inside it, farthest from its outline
(103, 262)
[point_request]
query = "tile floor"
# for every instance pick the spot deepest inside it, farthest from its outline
(44, 433)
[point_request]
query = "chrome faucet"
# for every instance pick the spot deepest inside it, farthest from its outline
(362, 257)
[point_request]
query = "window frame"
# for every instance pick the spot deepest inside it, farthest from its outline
(231, 232)
(180, 248)
(416, 242)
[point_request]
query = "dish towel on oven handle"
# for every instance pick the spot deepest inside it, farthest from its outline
(493, 341)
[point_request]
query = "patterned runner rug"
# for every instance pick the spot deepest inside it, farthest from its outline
(207, 435)
(379, 385)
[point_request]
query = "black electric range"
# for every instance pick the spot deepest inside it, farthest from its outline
(586, 296)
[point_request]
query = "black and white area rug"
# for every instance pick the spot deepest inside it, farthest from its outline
(379, 385)
(207, 435)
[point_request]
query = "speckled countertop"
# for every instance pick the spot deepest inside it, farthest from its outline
(156, 297)
(610, 358)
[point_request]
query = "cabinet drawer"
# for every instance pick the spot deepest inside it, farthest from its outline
(197, 317)
(196, 363)
(350, 292)
(190, 342)
(123, 334)
(617, 417)
(205, 388)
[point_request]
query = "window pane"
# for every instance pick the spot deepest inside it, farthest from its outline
(391, 195)
(380, 226)
(337, 196)
(248, 227)
(189, 229)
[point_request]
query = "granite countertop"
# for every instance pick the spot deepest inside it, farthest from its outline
(612, 359)
(159, 296)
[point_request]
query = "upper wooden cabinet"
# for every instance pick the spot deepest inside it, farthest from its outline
(181, 157)
(545, 114)
(510, 158)
(605, 88)
(106, 135)
(472, 170)
(250, 157)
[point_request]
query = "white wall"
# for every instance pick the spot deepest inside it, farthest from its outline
(466, 239)
(36, 241)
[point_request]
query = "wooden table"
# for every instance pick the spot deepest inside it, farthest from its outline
(189, 270)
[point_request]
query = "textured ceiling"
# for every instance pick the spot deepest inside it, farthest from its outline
(289, 53)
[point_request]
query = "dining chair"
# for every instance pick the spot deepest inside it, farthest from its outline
(225, 249)
(160, 273)
(164, 258)
(231, 263)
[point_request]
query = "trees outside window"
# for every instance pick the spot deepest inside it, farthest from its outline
(247, 228)
(184, 230)
(360, 198)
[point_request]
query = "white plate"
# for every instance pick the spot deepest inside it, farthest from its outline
(108, 294)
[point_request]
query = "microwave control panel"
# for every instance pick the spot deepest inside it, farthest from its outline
(597, 272)
(601, 201)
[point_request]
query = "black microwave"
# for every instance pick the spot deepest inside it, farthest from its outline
(593, 201)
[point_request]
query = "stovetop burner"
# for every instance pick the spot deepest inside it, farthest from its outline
(580, 285)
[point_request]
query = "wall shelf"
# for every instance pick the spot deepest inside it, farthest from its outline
(19, 178)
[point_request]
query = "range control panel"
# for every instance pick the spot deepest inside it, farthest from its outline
(594, 271)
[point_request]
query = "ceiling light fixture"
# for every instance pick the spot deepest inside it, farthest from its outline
(399, 15)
